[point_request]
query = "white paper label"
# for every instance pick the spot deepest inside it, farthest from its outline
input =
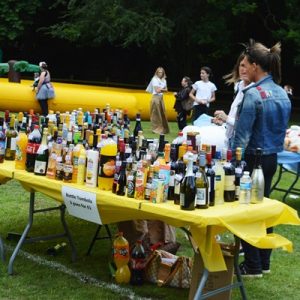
(81, 204)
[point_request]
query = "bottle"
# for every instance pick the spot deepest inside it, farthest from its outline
(229, 186)
(53, 251)
(139, 182)
(149, 183)
(220, 178)
(34, 140)
(173, 165)
(121, 259)
(258, 180)
(42, 155)
(131, 182)
(92, 160)
(11, 135)
(2, 143)
(76, 153)
(121, 187)
(245, 189)
(107, 163)
(238, 171)
(210, 173)
(81, 167)
(202, 184)
(137, 261)
(188, 187)
(138, 125)
(21, 145)
(68, 166)
(179, 175)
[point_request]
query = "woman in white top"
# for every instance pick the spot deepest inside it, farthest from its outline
(240, 80)
(158, 118)
(203, 93)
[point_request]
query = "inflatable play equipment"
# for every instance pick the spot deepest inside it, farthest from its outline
(21, 97)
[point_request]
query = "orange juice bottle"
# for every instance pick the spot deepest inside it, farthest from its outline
(21, 146)
(107, 163)
(121, 259)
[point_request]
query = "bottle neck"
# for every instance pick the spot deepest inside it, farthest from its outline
(189, 169)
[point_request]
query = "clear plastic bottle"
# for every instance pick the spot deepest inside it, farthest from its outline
(245, 188)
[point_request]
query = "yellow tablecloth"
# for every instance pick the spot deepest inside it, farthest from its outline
(249, 222)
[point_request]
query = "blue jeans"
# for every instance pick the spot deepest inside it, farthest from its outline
(259, 259)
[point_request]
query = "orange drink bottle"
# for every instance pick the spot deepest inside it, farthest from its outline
(121, 259)
(21, 146)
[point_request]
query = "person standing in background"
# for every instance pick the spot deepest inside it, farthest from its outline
(203, 93)
(289, 90)
(44, 89)
(239, 78)
(180, 96)
(261, 122)
(158, 86)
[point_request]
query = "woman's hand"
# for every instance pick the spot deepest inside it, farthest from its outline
(220, 115)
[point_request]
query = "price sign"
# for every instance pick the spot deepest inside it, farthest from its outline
(81, 204)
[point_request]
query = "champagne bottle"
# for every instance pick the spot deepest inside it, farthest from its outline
(188, 187)
(201, 199)
(121, 187)
(229, 186)
(41, 160)
(258, 180)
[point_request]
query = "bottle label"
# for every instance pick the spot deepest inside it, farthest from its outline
(229, 183)
(218, 177)
(138, 263)
(13, 142)
(130, 187)
(107, 166)
(182, 199)
(121, 252)
(245, 185)
(2, 148)
(32, 148)
(200, 196)
(40, 167)
(67, 171)
(172, 178)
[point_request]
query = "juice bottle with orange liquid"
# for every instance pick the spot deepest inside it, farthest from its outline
(121, 259)
(21, 146)
(107, 163)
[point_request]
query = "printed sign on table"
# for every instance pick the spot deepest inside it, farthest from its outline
(81, 204)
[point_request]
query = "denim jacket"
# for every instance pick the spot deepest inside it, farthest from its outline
(262, 118)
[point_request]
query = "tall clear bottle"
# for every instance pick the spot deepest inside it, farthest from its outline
(188, 187)
(258, 180)
(220, 178)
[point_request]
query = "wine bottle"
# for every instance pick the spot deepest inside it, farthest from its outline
(188, 187)
(131, 181)
(210, 173)
(2, 143)
(220, 178)
(258, 180)
(201, 199)
(121, 187)
(138, 125)
(238, 171)
(11, 135)
(229, 186)
(42, 155)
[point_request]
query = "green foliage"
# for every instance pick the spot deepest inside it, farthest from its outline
(16, 17)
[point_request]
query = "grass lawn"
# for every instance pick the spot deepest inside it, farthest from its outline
(40, 276)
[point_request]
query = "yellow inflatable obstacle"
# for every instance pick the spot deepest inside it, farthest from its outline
(20, 97)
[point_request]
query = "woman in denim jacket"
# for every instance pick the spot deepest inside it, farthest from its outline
(261, 122)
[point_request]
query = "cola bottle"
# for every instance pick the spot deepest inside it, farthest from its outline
(138, 259)
(34, 141)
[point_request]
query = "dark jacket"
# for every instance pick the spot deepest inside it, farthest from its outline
(183, 94)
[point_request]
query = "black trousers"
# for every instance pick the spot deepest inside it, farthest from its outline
(198, 110)
(181, 119)
(259, 259)
(44, 106)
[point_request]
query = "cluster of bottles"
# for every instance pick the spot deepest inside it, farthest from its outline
(98, 149)
(212, 177)
(134, 273)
